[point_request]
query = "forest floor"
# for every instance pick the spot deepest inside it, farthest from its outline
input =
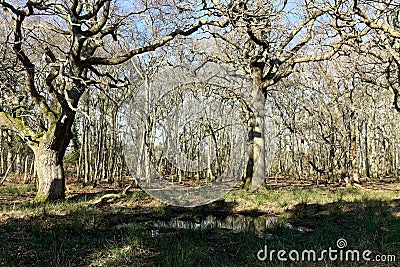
(127, 231)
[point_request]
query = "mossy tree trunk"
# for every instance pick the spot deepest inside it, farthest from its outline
(49, 156)
(49, 149)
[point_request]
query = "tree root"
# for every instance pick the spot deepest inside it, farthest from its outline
(109, 198)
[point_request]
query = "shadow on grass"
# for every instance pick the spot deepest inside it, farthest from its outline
(89, 236)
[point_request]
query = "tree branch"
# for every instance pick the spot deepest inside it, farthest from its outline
(121, 59)
(26, 62)
(374, 25)
(18, 126)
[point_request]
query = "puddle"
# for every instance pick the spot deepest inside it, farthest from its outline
(236, 223)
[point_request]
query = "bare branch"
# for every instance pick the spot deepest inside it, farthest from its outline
(168, 38)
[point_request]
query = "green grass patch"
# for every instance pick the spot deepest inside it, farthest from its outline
(17, 190)
(75, 233)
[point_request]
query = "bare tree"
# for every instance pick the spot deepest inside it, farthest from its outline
(266, 40)
(73, 39)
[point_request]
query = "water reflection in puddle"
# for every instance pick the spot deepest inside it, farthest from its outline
(236, 223)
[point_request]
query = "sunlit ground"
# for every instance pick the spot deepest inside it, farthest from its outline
(137, 230)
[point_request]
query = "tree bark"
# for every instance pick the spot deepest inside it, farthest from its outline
(49, 156)
(26, 169)
(50, 172)
(255, 168)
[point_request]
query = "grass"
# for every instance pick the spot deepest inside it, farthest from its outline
(20, 190)
(75, 233)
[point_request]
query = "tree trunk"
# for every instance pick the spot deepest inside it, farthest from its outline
(255, 168)
(26, 170)
(50, 172)
(2, 167)
(10, 156)
(354, 176)
(353, 153)
(49, 156)
(366, 144)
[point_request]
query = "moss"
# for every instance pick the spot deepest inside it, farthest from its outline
(40, 199)
(18, 125)
(38, 136)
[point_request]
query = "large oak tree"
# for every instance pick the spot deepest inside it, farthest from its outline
(265, 42)
(62, 48)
